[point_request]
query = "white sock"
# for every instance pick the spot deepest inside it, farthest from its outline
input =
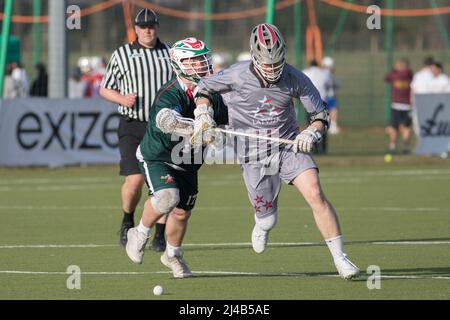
(336, 246)
(173, 251)
(143, 229)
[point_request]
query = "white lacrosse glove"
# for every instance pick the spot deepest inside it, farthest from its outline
(203, 125)
(169, 121)
(305, 140)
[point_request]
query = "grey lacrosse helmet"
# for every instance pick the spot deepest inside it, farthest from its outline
(268, 51)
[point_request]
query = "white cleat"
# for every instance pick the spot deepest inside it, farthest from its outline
(177, 264)
(259, 239)
(346, 268)
(136, 245)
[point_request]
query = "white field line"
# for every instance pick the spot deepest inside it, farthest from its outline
(44, 246)
(220, 208)
(219, 273)
(410, 242)
(80, 180)
(8, 185)
(229, 244)
(55, 187)
(383, 173)
(399, 209)
(89, 180)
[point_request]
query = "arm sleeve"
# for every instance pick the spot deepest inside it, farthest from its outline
(113, 75)
(220, 110)
(163, 100)
(308, 94)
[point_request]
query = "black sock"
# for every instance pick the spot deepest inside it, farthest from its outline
(160, 229)
(128, 217)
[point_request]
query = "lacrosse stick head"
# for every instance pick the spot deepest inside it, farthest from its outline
(191, 59)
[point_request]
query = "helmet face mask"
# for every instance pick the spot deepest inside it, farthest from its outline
(191, 59)
(268, 51)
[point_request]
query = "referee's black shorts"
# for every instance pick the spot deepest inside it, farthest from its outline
(130, 134)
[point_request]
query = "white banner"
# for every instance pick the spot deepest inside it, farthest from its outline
(55, 132)
(432, 121)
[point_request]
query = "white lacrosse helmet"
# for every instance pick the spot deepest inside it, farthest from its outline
(268, 51)
(191, 59)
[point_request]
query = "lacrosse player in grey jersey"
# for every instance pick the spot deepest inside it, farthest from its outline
(259, 99)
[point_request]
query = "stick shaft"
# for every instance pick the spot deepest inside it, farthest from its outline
(251, 135)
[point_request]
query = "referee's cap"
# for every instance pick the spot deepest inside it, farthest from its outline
(146, 17)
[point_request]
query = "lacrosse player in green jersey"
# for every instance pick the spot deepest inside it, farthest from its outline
(167, 160)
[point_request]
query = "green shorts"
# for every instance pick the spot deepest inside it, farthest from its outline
(160, 175)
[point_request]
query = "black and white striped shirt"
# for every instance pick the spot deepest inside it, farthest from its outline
(136, 69)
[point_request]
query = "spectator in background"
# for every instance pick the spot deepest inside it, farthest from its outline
(244, 56)
(87, 77)
(10, 86)
(421, 78)
(98, 71)
(400, 79)
(321, 79)
(76, 86)
(439, 82)
(331, 99)
(39, 86)
(220, 61)
(20, 76)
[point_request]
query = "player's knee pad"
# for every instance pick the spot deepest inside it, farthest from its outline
(164, 201)
(267, 222)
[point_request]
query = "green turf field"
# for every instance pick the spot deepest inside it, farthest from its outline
(394, 215)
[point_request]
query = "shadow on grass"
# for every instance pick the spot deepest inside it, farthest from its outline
(231, 246)
(263, 274)
(424, 271)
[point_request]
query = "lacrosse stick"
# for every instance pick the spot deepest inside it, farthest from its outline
(255, 136)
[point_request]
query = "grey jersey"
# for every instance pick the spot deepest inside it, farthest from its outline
(252, 106)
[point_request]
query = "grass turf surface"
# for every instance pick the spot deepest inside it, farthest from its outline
(380, 205)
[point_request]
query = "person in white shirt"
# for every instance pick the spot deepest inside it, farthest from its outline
(331, 99)
(320, 77)
(322, 80)
(439, 82)
(20, 76)
(421, 78)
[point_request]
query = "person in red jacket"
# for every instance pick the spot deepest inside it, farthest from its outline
(400, 79)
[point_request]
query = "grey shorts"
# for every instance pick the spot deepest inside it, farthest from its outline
(263, 179)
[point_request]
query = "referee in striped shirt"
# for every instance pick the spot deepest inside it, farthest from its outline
(134, 74)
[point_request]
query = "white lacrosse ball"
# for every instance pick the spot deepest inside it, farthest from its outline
(158, 290)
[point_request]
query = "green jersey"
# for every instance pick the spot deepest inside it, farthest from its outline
(159, 146)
